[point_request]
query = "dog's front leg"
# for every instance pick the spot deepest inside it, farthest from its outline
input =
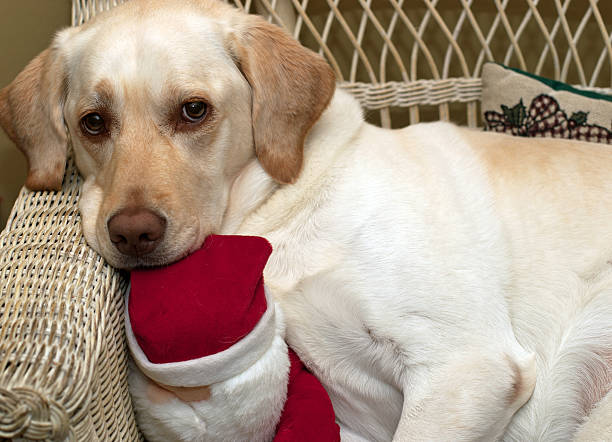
(161, 414)
(471, 396)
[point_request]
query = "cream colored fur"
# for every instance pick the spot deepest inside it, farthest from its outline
(442, 283)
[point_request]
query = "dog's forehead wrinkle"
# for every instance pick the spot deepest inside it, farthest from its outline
(142, 51)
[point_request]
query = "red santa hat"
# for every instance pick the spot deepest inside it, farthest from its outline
(205, 318)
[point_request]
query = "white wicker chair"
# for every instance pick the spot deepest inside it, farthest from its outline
(63, 358)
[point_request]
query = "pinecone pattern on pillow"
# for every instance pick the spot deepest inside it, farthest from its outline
(545, 118)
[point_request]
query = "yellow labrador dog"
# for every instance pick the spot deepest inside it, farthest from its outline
(444, 284)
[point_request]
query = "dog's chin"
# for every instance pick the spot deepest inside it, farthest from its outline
(124, 262)
(157, 258)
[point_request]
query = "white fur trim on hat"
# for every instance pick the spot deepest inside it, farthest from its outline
(212, 368)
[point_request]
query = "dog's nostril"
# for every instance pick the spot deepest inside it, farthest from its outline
(146, 237)
(118, 238)
(136, 231)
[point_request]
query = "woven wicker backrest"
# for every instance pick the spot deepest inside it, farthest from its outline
(420, 60)
(63, 358)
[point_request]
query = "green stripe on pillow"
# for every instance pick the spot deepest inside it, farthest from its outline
(559, 85)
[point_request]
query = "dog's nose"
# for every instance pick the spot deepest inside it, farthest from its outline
(136, 231)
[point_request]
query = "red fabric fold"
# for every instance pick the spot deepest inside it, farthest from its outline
(308, 414)
(202, 304)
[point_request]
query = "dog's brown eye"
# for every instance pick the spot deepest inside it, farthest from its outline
(194, 111)
(93, 124)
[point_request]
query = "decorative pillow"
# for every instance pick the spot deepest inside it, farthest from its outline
(526, 105)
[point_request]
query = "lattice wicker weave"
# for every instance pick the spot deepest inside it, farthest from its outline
(62, 351)
(421, 59)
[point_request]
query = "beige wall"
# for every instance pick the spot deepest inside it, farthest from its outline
(26, 28)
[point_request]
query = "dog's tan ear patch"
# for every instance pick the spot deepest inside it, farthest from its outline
(31, 115)
(291, 87)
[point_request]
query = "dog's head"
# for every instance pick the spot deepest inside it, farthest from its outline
(165, 103)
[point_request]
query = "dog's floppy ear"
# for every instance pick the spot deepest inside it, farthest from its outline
(291, 87)
(31, 115)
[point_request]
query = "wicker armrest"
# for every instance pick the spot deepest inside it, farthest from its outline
(63, 358)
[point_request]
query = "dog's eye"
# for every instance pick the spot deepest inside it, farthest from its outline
(194, 111)
(93, 124)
